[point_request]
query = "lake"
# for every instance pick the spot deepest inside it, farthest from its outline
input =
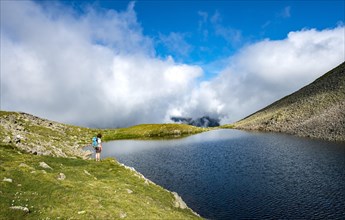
(231, 174)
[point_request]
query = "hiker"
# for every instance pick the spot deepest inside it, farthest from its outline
(98, 147)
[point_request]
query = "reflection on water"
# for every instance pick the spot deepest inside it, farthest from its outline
(230, 174)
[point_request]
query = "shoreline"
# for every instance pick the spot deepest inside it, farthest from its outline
(178, 203)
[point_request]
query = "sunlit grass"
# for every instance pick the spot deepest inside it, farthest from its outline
(91, 190)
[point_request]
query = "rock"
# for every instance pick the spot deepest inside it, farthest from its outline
(177, 132)
(61, 176)
(123, 215)
(141, 176)
(39, 150)
(17, 139)
(129, 191)
(45, 166)
(81, 212)
(179, 203)
(7, 140)
(23, 165)
(20, 128)
(7, 180)
(87, 173)
(58, 152)
(21, 208)
(85, 154)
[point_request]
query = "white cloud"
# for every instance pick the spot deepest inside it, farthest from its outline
(268, 70)
(98, 69)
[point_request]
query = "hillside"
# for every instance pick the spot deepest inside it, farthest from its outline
(44, 137)
(317, 110)
(45, 174)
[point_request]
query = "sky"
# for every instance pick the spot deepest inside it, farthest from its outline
(122, 63)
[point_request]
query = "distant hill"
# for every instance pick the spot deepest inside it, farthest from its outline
(317, 110)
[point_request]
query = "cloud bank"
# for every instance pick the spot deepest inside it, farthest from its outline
(268, 70)
(98, 69)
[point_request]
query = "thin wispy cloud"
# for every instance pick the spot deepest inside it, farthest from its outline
(176, 43)
(282, 15)
(286, 12)
(202, 24)
(232, 35)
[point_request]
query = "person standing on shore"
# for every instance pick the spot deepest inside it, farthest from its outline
(99, 147)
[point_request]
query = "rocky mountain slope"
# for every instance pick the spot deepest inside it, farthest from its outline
(43, 137)
(317, 110)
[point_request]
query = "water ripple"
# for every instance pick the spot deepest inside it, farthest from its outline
(229, 174)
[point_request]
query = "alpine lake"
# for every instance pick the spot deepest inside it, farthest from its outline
(232, 174)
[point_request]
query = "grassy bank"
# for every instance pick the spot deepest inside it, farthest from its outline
(152, 131)
(87, 189)
(90, 190)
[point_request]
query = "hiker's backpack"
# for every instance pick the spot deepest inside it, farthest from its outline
(95, 142)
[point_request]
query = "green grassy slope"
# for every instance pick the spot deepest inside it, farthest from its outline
(317, 110)
(152, 131)
(91, 190)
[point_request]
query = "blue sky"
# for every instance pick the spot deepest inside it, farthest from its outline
(253, 20)
(207, 32)
(120, 63)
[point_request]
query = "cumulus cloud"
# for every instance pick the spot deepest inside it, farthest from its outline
(266, 71)
(98, 69)
(94, 69)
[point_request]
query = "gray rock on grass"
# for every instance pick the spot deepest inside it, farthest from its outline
(179, 203)
(45, 166)
(21, 208)
(7, 180)
(61, 176)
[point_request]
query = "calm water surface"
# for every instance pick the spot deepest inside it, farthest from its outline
(230, 174)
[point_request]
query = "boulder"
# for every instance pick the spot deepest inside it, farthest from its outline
(17, 139)
(179, 203)
(21, 208)
(123, 215)
(45, 166)
(7, 180)
(61, 176)
(87, 173)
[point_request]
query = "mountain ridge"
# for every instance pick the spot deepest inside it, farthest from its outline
(317, 110)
